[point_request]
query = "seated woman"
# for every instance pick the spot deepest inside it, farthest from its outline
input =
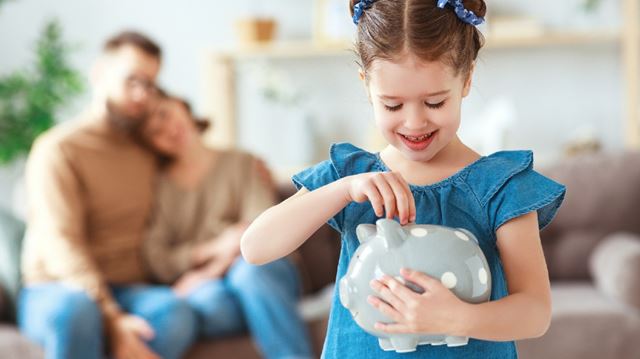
(205, 200)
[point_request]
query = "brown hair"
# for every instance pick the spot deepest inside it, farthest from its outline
(202, 124)
(392, 28)
(136, 39)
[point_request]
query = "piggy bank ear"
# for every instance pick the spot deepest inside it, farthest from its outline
(365, 232)
(391, 232)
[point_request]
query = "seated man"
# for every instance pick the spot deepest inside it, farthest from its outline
(90, 189)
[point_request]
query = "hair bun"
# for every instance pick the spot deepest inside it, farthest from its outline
(479, 7)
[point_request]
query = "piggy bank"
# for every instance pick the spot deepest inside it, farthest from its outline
(451, 255)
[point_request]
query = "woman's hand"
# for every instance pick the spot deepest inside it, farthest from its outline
(127, 335)
(224, 247)
(188, 282)
(436, 311)
(388, 193)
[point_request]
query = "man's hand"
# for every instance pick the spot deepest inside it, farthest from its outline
(128, 334)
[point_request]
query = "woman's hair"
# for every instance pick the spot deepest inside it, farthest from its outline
(393, 28)
(202, 124)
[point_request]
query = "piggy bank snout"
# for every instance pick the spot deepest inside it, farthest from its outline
(345, 292)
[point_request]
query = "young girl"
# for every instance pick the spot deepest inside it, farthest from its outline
(417, 59)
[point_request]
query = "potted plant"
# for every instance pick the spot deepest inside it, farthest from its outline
(30, 98)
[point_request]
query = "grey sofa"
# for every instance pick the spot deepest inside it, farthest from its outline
(592, 250)
(12, 344)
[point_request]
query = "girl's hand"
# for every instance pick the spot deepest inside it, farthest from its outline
(436, 311)
(388, 193)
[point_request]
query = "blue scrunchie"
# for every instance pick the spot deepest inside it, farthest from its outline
(359, 9)
(463, 14)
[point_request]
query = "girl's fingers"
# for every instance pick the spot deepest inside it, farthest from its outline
(398, 289)
(392, 328)
(429, 283)
(375, 198)
(385, 308)
(402, 198)
(412, 200)
(388, 196)
(387, 294)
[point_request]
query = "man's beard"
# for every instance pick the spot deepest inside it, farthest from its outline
(121, 120)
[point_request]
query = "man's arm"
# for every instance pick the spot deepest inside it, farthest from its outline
(57, 223)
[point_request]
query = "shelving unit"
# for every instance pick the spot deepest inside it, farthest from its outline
(220, 68)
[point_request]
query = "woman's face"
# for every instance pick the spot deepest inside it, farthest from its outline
(170, 129)
(416, 105)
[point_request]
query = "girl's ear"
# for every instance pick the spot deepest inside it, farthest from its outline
(363, 78)
(467, 82)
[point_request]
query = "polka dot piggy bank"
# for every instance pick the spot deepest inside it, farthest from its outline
(449, 254)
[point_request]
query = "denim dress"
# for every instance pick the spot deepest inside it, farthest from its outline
(480, 198)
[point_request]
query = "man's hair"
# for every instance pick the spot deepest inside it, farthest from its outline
(135, 39)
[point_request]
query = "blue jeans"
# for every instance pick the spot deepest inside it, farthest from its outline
(68, 324)
(260, 299)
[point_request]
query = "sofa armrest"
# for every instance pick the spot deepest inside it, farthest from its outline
(615, 267)
(4, 306)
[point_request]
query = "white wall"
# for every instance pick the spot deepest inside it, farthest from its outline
(554, 90)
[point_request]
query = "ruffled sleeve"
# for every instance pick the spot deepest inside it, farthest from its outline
(345, 160)
(507, 187)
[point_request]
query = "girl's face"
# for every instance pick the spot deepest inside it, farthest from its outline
(416, 104)
(170, 129)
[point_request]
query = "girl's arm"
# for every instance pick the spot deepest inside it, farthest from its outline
(524, 313)
(283, 228)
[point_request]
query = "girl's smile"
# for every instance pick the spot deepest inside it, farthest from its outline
(418, 142)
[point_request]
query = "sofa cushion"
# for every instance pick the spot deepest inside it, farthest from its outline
(11, 233)
(603, 197)
(615, 267)
(585, 324)
(15, 346)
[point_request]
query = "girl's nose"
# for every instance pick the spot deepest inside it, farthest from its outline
(416, 118)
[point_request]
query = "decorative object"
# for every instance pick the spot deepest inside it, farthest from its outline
(255, 30)
(449, 254)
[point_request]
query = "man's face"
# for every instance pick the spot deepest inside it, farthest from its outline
(127, 82)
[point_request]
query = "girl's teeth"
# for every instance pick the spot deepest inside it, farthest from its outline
(418, 139)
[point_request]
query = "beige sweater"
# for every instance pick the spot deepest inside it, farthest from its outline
(90, 194)
(232, 191)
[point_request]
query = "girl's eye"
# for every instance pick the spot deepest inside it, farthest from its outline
(393, 108)
(434, 106)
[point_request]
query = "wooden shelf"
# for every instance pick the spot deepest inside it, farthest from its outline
(555, 39)
(284, 50)
(307, 49)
